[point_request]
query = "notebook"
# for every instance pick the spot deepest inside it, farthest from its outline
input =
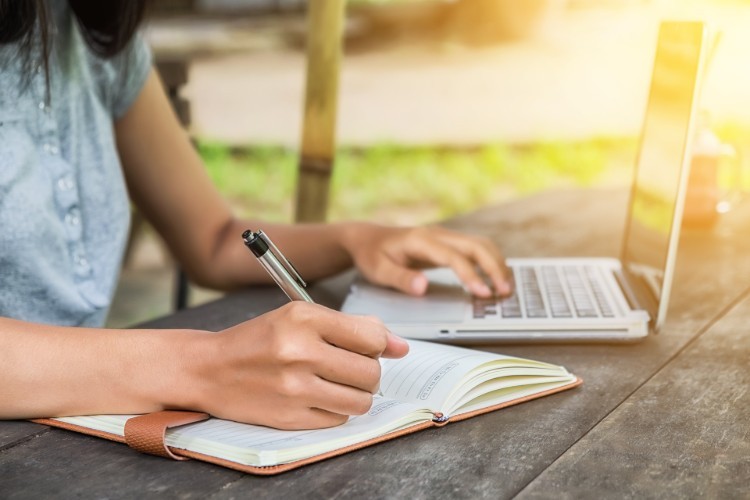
(582, 299)
(433, 385)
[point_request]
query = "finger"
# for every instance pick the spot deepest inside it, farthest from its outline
(326, 418)
(340, 399)
(486, 255)
(401, 278)
(396, 347)
(438, 253)
(308, 418)
(366, 336)
(344, 367)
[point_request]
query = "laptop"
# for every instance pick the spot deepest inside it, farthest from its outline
(581, 299)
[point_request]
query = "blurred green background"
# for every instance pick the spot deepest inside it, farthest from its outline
(397, 184)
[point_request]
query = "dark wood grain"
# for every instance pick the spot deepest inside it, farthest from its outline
(685, 433)
(62, 464)
(13, 433)
(491, 456)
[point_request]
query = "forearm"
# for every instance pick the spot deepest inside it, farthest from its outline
(55, 371)
(170, 186)
(316, 250)
(300, 366)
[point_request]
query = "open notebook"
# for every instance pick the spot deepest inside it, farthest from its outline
(432, 385)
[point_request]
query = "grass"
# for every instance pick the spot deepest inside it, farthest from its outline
(411, 185)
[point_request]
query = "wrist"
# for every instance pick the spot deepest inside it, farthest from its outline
(181, 380)
(353, 234)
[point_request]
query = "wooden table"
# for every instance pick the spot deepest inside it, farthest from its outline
(669, 417)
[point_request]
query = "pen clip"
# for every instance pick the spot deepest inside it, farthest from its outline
(283, 260)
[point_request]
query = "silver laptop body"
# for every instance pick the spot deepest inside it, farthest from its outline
(581, 299)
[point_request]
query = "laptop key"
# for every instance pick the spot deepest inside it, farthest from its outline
(510, 307)
(555, 294)
(484, 307)
(587, 313)
(562, 314)
(599, 296)
(536, 313)
(582, 302)
(532, 294)
(511, 313)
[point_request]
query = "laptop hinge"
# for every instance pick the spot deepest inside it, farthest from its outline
(637, 293)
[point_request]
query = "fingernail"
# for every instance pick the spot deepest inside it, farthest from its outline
(419, 285)
(481, 289)
(397, 339)
(504, 288)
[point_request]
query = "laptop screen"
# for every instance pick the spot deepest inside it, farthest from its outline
(652, 229)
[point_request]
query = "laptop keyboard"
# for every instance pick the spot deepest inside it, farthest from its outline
(550, 291)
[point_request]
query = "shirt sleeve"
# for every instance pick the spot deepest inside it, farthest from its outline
(128, 73)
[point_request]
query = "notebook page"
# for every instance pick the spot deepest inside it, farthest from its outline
(509, 394)
(431, 372)
(256, 445)
(261, 446)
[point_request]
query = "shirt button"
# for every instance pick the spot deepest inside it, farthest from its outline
(42, 106)
(65, 184)
(81, 262)
(73, 218)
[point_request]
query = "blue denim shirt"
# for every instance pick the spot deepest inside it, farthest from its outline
(64, 209)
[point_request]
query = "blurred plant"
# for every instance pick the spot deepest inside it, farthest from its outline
(408, 184)
(258, 181)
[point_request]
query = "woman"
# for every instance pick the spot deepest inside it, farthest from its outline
(83, 124)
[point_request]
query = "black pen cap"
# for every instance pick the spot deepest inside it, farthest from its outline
(255, 243)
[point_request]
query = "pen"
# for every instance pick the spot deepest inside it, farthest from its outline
(281, 270)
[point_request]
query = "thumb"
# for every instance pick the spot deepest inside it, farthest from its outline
(396, 347)
(401, 278)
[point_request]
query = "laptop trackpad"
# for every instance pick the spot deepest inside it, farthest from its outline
(443, 303)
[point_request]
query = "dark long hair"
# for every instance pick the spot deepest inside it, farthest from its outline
(107, 26)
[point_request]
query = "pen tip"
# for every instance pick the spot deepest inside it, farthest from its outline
(246, 234)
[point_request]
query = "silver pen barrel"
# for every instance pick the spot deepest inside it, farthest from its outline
(281, 276)
(276, 265)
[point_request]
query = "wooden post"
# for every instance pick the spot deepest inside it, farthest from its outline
(324, 47)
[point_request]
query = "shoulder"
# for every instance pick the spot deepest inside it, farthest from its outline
(120, 79)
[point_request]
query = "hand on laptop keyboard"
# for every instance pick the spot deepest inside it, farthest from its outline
(393, 256)
(549, 291)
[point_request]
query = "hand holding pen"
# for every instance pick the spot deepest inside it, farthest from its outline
(309, 366)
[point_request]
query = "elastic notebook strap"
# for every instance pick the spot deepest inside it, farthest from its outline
(146, 433)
